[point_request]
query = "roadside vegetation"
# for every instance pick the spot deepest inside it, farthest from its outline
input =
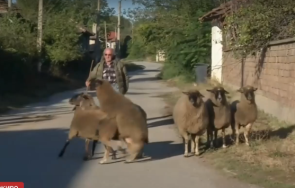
(269, 160)
(65, 63)
(174, 27)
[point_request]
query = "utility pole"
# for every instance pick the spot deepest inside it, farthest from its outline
(97, 42)
(40, 34)
(132, 34)
(9, 4)
(105, 33)
(118, 27)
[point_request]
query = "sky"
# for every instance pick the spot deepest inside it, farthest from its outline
(125, 4)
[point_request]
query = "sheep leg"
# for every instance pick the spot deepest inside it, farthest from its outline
(72, 134)
(106, 156)
(186, 138)
(237, 134)
(86, 155)
(120, 147)
(215, 137)
(94, 143)
(193, 145)
(233, 130)
(61, 153)
(135, 149)
(210, 138)
(246, 133)
(223, 139)
(197, 138)
(110, 149)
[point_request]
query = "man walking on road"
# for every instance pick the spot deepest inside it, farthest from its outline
(112, 70)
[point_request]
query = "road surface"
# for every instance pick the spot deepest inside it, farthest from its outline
(31, 138)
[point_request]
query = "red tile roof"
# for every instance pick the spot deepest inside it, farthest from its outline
(221, 11)
(112, 36)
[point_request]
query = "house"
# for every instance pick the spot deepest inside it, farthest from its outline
(111, 40)
(271, 70)
(4, 8)
(217, 16)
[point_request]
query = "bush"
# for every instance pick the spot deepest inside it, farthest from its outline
(135, 50)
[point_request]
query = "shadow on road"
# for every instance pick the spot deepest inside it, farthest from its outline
(161, 117)
(162, 150)
(136, 93)
(31, 157)
(33, 116)
(145, 79)
(162, 122)
(14, 121)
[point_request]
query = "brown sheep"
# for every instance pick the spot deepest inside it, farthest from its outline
(219, 114)
(244, 112)
(93, 124)
(191, 117)
(131, 122)
(87, 102)
(76, 99)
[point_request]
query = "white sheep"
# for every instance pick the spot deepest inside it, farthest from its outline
(191, 117)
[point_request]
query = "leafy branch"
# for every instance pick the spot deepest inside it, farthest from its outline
(254, 24)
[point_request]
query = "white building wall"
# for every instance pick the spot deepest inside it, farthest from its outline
(216, 55)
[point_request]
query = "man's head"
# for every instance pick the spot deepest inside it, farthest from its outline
(108, 54)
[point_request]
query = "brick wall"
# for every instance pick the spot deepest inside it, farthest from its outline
(273, 72)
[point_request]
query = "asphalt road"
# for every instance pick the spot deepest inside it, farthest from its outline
(31, 138)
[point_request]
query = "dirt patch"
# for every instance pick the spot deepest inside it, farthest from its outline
(268, 162)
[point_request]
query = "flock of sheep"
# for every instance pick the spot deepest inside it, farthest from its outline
(194, 117)
(118, 118)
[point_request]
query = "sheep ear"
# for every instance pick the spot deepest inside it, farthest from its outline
(240, 90)
(186, 93)
(255, 88)
(200, 94)
(226, 92)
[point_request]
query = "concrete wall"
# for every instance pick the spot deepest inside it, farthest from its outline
(216, 53)
(273, 72)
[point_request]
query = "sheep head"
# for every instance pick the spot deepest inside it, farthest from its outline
(101, 85)
(248, 93)
(195, 97)
(75, 98)
(82, 97)
(218, 93)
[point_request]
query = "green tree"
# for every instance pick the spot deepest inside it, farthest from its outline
(253, 25)
(173, 26)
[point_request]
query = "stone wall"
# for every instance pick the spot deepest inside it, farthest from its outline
(273, 72)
